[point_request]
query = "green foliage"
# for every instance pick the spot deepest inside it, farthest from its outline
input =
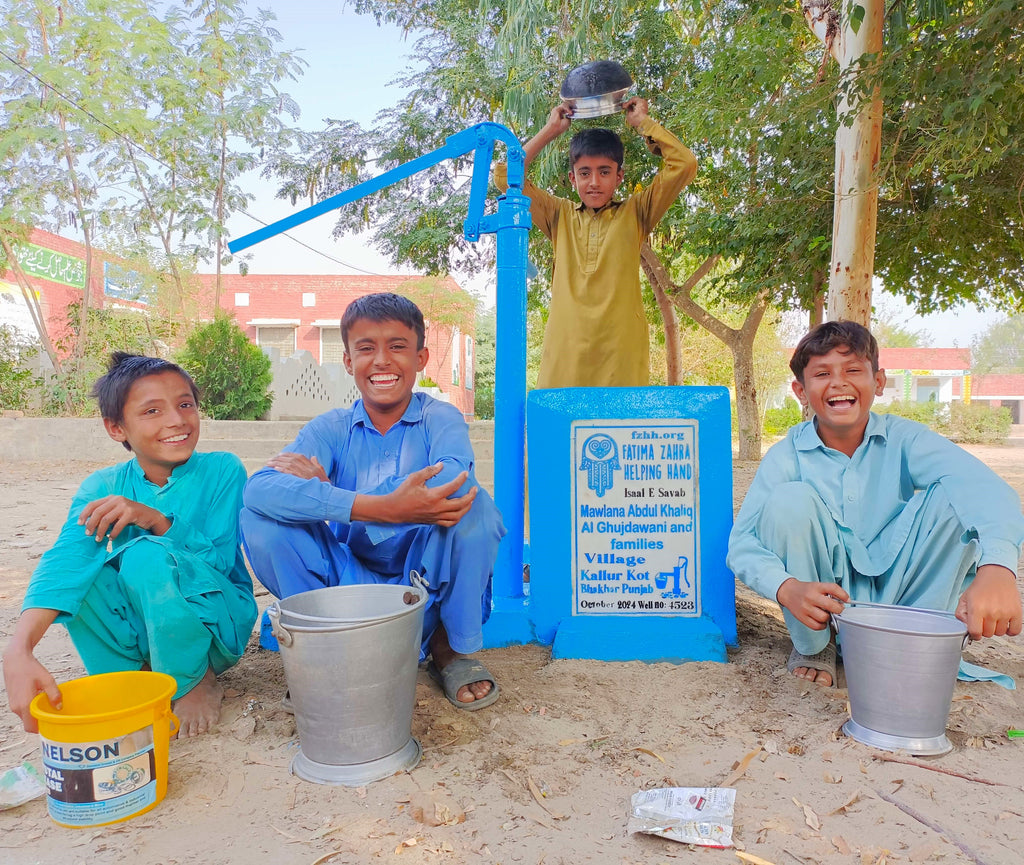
(778, 420)
(233, 375)
(1000, 348)
(974, 423)
(427, 381)
(107, 330)
(931, 414)
(950, 226)
(16, 382)
(483, 362)
(133, 121)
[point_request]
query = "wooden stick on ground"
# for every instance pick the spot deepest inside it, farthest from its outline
(906, 761)
(935, 827)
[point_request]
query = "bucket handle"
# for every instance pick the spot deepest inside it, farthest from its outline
(853, 603)
(280, 632)
(416, 579)
(175, 724)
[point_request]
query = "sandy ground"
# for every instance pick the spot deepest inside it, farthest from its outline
(546, 775)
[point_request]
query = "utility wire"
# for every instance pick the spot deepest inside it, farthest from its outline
(159, 161)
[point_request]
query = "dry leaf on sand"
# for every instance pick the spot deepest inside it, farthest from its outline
(435, 809)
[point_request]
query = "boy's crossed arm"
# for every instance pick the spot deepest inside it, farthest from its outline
(24, 675)
(411, 502)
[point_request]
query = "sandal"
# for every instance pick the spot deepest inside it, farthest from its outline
(825, 660)
(464, 671)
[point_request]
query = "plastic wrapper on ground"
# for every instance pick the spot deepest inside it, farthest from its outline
(691, 815)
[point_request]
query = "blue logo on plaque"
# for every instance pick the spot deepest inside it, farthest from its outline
(600, 459)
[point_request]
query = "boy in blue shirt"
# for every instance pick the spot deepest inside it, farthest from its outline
(872, 507)
(371, 493)
(172, 593)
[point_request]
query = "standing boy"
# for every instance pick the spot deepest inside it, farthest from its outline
(872, 507)
(596, 334)
(393, 479)
(147, 572)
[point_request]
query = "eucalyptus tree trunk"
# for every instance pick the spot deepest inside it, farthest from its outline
(853, 36)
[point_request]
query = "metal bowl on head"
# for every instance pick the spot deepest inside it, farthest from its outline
(596, 89)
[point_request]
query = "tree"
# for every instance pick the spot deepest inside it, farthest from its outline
(232, 374)
(948, 168)
(747, 86)
(893, 329)
(130, 123)
(853, 37)
(485, 63)
(1000, 348)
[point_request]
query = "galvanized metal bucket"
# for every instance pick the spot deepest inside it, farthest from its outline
(901, 665)
(350, 657)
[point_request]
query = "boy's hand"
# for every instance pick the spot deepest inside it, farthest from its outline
(298, 465)
(636, 111)
(812, 603)
(415, 502)
(112, 514)
(24, 677)
(559, 119)
(991, 605)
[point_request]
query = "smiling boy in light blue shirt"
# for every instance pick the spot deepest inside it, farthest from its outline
(872, 507)
(371, 493)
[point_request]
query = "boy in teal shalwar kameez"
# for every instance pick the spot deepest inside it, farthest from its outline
(147, 571)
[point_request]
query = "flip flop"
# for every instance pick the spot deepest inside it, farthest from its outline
(464, 671)
(824, 660)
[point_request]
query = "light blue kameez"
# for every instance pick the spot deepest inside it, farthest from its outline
(181, 602)
(906, 520)
(299, 535)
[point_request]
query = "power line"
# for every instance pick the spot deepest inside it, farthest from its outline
(159, 161)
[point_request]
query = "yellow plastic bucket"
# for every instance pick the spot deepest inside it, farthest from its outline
(105, 749)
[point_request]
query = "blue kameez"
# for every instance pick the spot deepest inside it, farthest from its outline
(299, 536)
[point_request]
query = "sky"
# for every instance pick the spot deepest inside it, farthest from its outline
(352, 64)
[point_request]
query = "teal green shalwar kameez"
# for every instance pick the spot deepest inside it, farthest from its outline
(181, 602)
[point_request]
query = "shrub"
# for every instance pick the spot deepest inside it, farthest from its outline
(233, 375)
(931, 414)
(975, 423)
(778, 420)
(16, 382)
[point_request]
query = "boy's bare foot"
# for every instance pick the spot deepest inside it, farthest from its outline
(819, 668)
(820, 677)
(198, 711)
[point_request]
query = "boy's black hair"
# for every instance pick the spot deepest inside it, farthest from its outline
(384, 306)
(820, 340)
(123, 370)
(596, 142)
